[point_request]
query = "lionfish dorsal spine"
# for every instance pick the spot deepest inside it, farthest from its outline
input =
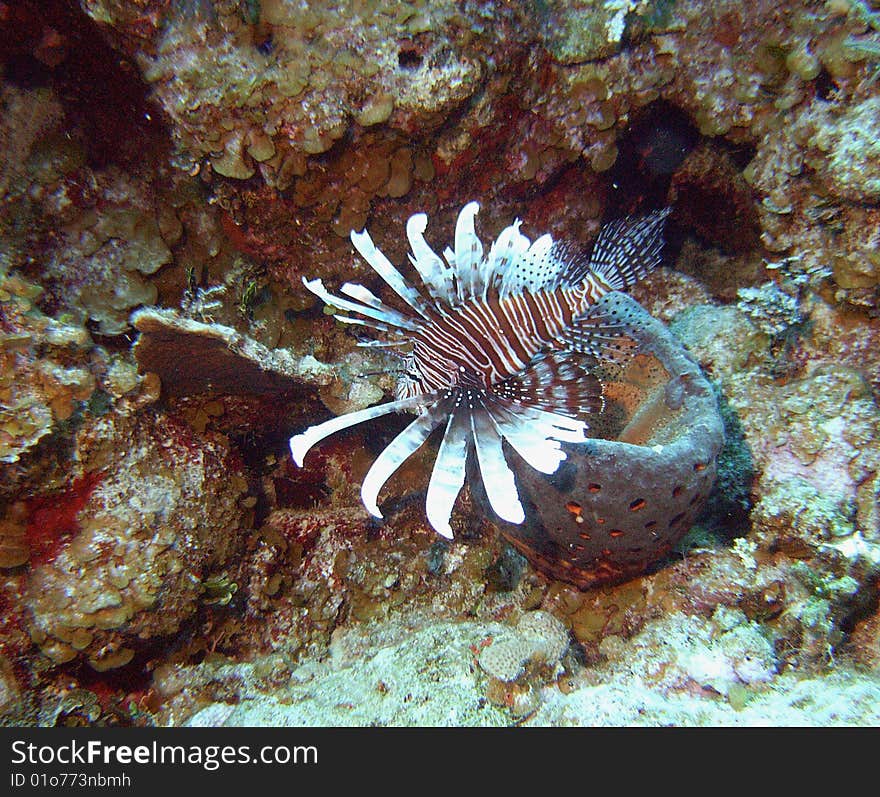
(382, 314)
(507, 249)
(437, 277)
(384, 268)
(532, 270)
(468, 252)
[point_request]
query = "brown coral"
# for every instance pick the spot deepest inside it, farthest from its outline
(124, 563)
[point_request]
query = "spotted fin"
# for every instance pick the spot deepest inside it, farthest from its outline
(604, 333)
(628, 249)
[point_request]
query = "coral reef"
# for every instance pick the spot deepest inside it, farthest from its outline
(191, 358)
(170, 171)
(44, 373)
(129, 536)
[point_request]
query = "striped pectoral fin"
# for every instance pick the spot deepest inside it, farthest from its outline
(397, 451)
(536, 434)
(302, 443)
(603, 333)
(498, 478)
(537, 448)
(447, 476)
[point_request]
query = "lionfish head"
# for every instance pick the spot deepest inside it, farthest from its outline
(409, 379)
(500, 347)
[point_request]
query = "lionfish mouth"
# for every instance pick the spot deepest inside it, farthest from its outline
(501, 351)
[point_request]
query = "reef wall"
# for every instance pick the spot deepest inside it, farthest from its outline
(171, 169)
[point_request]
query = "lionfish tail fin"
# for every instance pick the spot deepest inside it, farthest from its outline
(628, 249)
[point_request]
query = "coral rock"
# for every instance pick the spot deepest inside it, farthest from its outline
(159, 513)
(539, 637)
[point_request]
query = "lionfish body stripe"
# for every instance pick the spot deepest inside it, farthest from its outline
(496, 353)
(496, 338)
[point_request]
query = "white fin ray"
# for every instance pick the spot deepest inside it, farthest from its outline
(347, 319)
(365, 295)
(302, 443)
(550, 424)
(498, 478)
(507, 249)
(381, 344)
(536, 434)
(386, 315)
(539, 449)
(384, 268)
(468, 253)
(447, 476)
(398, 450)
(436, 275)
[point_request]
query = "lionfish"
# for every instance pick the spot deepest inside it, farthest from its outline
(495, 352)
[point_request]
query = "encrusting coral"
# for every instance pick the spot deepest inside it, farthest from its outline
(44, 373)
(538, 638)
(130, 535)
